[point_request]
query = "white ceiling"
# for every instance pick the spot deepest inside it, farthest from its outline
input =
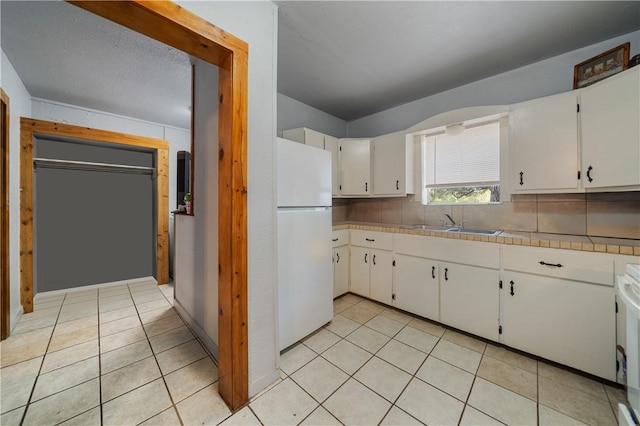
(352, 59)
(349, 59)
(66, 54)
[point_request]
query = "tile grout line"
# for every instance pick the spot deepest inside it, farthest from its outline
(173, 404)
(100, 363)
(44, 356)
(473, 382)
(413, 376)
(373, 355)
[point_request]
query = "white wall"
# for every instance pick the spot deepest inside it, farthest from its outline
(19, 106)
(196, 289)
(256, 22)
(293, 114)
(547, 77)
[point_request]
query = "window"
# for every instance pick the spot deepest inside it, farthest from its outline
(462, 165)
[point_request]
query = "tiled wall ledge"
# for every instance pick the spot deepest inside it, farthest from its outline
(533, 239)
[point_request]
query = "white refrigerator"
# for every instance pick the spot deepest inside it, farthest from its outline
(305, 271)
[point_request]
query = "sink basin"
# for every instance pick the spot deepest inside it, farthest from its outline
(426, 227)
(474, 231)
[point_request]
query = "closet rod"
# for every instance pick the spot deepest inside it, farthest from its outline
(89, 166)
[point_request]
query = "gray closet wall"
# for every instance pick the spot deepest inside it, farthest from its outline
(92, 226)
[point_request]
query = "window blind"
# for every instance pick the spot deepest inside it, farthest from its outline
(471, 158)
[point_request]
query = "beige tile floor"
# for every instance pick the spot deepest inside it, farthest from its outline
(121, 355)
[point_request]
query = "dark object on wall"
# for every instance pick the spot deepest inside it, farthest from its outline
(183, 169)
(634, 61)
(602, 66)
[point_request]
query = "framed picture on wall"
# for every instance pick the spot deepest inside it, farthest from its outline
(602, 66)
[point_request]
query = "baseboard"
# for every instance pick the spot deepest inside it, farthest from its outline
(99, 285)
(202, 335)
(15, 319)
(263, 382)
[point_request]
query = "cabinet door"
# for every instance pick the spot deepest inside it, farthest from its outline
(381, 276)
(389, 164)
(543, 144)
(568, 322)
(359, 262)
(469, 299)
(331, 144)
(415, 285)
(340, 270)
(611, 131)
(355, 168)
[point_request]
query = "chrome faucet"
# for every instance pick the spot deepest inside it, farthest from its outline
(453, 222)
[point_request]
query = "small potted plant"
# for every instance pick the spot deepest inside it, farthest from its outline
(187, 202)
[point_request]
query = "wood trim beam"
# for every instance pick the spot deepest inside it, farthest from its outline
(169, 23)
(28, 129)
(26, 218)
(5, 286)
(232, 232)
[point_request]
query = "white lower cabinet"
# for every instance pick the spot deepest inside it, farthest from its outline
(360, 272)
(380, 286)
(340, 270)
(554, 303)
(416, 284)
(371, 273)
(560, 305)
(371, 258)
(469, 299)
(340, 259)
(569, 322)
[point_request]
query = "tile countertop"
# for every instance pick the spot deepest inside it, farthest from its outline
(533, 239)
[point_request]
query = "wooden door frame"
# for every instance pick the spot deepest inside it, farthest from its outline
(5, 287)
(171, 24)
(29, 128)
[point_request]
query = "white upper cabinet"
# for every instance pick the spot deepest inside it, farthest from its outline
(322, 141)
(543, 145)
(392, 165)
(610, 116)
(355, 167)
(333, 145)
(305, 136)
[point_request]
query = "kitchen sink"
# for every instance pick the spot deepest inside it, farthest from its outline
(426, 227)
(489, 232)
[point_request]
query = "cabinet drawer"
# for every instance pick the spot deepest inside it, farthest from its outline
(371, 239)
(472, 253)
(575, 265)
(415, 245)
(340, 238)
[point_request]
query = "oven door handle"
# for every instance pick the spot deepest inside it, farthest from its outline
(629, 300)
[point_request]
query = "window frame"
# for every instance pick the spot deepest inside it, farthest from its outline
(422, 195)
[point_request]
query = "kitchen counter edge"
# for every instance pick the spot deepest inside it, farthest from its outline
(531, 239)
